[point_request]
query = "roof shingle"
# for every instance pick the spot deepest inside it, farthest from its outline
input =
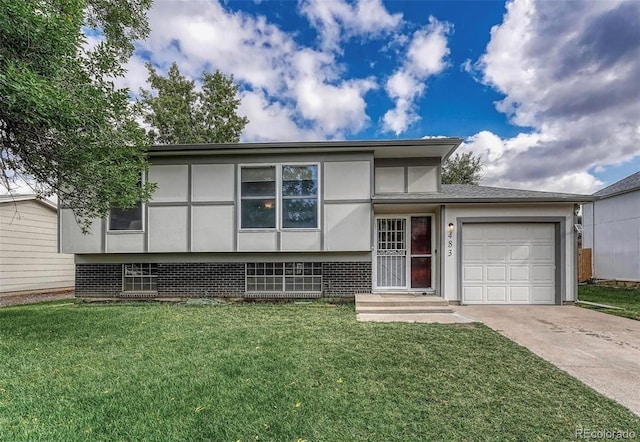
(472, 193)
(628, 184)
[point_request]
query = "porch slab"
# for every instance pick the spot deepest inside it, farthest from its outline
(429, 318)
(406, 307)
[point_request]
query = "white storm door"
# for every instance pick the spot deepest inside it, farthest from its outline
(391, 253)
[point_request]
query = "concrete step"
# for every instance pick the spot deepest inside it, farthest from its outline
(407, 302)
(404, 309)
(438, 318)
(398, 303)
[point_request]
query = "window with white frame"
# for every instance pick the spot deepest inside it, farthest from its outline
(139, 277)
(258, 197)
(299, 197)
(284, 277)
(285, 197)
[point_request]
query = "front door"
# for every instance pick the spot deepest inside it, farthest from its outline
(403, 253)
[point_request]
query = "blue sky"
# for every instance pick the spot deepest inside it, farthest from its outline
(546, 92)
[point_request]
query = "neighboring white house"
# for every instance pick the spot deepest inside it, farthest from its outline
(29, 258)
(327, 219)
(612, 230)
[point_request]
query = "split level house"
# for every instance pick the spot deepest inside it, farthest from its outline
(327, 219)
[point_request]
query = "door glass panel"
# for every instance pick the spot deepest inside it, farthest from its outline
(421, 235)
(420, 272)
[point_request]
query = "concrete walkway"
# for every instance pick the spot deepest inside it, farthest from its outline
(601, 350)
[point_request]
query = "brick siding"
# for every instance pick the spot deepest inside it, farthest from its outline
(345, 279)
(193, 279)
(201, 279)
(101, 280)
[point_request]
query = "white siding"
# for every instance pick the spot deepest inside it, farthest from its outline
(587, 225)
(616, 237)
(28, 249)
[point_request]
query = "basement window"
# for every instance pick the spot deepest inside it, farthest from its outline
(139, 277)
(284, 277)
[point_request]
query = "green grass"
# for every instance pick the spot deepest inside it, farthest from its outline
(276, 372)
(626, 299)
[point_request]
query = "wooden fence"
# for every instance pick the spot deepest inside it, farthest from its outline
(584, 265)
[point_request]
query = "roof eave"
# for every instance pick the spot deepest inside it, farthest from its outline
(611, 195)
(449, 200)
(378, 147)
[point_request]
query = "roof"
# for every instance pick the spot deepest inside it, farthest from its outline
(424, 147)
(14, 198)
(464, 193)
(628, 184)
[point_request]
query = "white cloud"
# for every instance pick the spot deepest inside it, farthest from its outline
(498, 156)
(428, 49)
(272, 121)
(283, 85)
(425, 57)
(338, 19)
(570, 72)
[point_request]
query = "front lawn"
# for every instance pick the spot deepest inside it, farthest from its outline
(626, 299)
(276, 372)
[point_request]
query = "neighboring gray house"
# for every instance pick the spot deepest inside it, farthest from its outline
(612, 230)
(29, 258)
(332, 219)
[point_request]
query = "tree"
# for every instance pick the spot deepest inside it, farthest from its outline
(462, 169)
(178, 114)
(64, 127)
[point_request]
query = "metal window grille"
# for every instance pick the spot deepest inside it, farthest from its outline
(391, 253)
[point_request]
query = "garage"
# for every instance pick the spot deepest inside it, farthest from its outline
(509, 263)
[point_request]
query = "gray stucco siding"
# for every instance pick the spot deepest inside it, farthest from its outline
(168, 229)
(212, 228)
(72, 240)
(172, 182)
(195, 209)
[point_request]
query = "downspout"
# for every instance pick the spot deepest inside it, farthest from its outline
(439, 252)
(576, 208)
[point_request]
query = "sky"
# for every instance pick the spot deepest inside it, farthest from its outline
(546, 92)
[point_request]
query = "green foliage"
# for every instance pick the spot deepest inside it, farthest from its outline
(626, 299)
(277, 373)
(178, 114)
(463, 168)
(64, 127)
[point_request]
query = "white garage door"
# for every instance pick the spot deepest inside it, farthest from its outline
(504, 263)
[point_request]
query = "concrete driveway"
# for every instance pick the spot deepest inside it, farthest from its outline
(601, 350)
